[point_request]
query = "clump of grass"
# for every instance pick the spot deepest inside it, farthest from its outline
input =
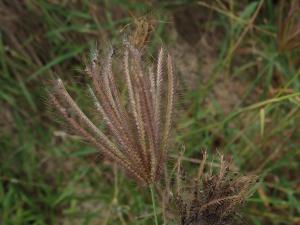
(213, 197)
(137, 130)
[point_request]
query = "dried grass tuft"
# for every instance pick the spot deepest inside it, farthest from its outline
(213, 197)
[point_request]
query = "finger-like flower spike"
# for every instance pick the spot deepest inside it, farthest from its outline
(137, 126)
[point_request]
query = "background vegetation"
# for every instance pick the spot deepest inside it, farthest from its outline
(238, 69)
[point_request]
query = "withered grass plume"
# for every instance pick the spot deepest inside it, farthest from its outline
(214, 197)
(137, 127)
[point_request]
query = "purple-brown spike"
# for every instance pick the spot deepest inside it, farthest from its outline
(137, 130)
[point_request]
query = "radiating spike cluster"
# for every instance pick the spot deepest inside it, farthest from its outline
(138, 130)
(213, 199)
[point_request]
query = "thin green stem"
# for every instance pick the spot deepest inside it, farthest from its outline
(153, 204)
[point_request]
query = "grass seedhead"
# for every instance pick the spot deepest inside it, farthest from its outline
(213, 197)
(137, 128)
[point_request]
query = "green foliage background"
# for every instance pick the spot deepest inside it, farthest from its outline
(239, 95)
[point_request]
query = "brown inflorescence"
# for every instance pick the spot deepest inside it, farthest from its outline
(213, 197)
(137, 129)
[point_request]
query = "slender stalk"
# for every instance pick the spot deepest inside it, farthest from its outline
(153, 203)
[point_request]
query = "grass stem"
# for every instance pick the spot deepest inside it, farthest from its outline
(153, 204)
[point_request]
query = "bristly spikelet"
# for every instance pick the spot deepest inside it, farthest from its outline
(214, 197)
(137, 130)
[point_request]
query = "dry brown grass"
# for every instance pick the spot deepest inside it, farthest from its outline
(213, 197)
(288, 37)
